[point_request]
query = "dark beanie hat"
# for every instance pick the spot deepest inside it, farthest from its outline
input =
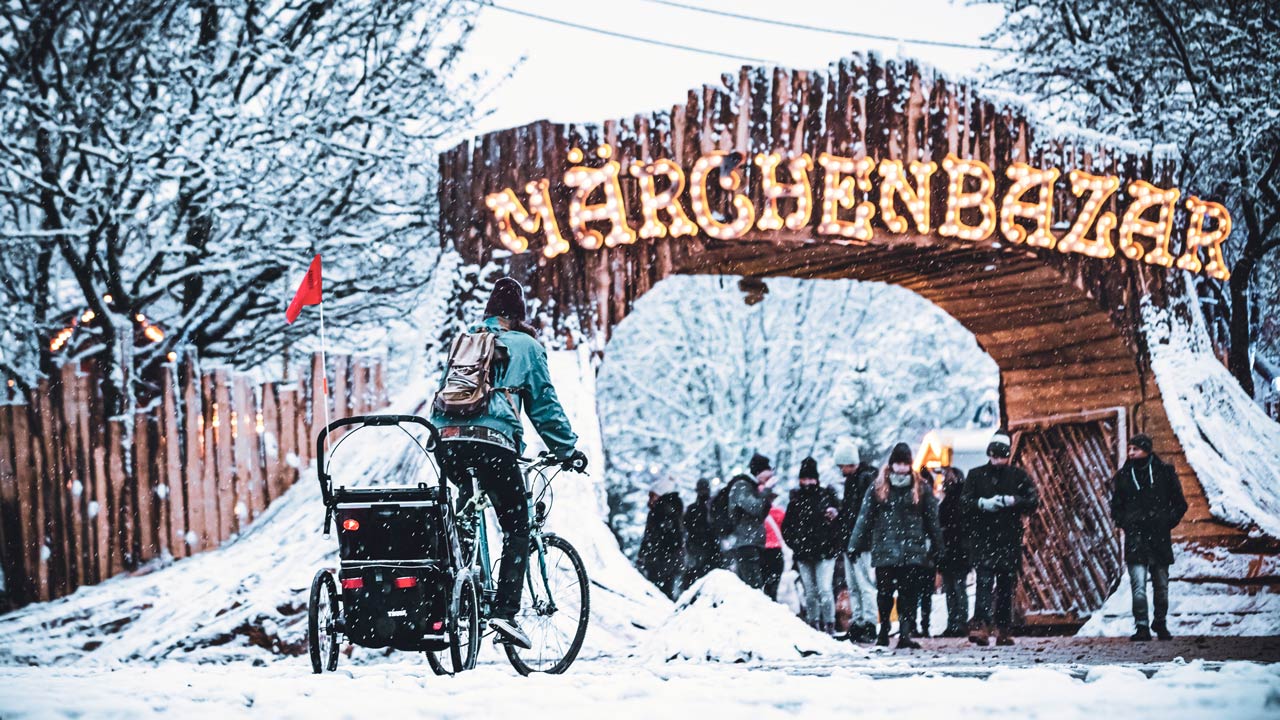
(1000, 446)
(507, 300)
(1141, 441)
(901, 454)
(758, 464)
(809, 468)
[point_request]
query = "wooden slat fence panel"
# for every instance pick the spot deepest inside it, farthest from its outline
(83, 498)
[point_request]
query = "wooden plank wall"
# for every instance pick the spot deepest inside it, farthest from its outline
(82, 499)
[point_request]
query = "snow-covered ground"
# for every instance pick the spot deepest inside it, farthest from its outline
(618, 690)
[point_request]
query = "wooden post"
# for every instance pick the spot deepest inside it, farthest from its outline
(290, 454)
(198, 517)
(229, 508)
(174, 527)
(271, 441)
(209, 472)
(26, 460)
(143, 487)
(11, 538)
(121, 517)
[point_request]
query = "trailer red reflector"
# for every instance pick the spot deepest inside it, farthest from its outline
(352, 583)
(438, 626)
(351, 524)
(406, 582)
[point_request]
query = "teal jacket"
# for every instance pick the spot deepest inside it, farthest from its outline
(526, 371)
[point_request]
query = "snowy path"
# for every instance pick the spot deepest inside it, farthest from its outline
(621, 689)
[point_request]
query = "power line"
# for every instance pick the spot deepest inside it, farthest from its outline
(624, 36)
(816, 28)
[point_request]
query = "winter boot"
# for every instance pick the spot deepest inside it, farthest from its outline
(883, 638)
(924, 628)
(979, 633)
(904, 639)
(1161, 630)
(868, 631)
(1004, 638)
(1142, 635)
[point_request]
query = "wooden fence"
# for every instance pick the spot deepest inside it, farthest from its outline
(83, 499)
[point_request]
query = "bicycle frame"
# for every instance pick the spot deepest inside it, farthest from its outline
(474, 515)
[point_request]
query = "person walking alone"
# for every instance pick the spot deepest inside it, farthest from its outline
(953, 563)
(897, 523)
(661, 555)
(810, 531)
(997, 495)
(1147, 503)
(858, 478)
(702, 547)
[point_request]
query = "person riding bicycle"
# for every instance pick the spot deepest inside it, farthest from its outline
(484, 447)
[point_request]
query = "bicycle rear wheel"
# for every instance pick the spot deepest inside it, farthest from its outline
(553, 613)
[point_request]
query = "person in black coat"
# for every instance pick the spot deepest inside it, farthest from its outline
(661, 555)
(809, 529)
(702, 545)
(1147, 503)
(953, 563)
(997, 495)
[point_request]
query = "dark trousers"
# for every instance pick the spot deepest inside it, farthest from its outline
(927, 581)
(746, 562)
(772, 566)
(953, 584)
(993, 596)
(495, 470)
(698, 564)
(906, 581)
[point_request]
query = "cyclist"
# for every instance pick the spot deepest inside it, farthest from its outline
(483, 448)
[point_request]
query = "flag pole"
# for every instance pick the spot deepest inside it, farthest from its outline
(324, 370)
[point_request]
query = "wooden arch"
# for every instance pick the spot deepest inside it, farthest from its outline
(1064, 328)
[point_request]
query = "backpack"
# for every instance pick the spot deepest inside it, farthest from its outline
(722, 521)
(468, 382)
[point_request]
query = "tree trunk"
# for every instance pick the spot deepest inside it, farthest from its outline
(1238, 360)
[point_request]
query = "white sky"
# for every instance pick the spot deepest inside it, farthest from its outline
(574, 75)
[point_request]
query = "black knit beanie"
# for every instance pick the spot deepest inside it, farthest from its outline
(507, 300)
(901, 454)
(1141, 441)
(808, 468)
(758, 464)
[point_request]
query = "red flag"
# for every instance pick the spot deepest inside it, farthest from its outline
(308, 292)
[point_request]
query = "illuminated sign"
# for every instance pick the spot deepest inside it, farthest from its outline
(841, 199)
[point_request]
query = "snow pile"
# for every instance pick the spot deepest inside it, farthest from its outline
(720, 619)
(246, 601)
(1229, 441)
(1197, 604)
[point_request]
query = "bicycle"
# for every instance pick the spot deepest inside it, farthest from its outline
(406, 581)
(555, 604)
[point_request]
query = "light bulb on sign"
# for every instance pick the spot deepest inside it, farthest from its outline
(893, 183)
(651, 201)
(585, 181)
(1026, 178)
(1146, 196)
(798, 189)
(840, 177)
(1211, 241)
(1096, 190)
(746, 211)
(959, 199)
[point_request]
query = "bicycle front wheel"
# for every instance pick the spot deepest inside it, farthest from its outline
(554, 609)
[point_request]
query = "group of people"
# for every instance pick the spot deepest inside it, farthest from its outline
(895, 531)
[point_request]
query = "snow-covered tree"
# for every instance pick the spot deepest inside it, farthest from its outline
(1198, 74)
(695, 380)
(173, 165)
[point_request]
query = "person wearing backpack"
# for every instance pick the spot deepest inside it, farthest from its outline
(809, 529)
(897, 523)
(495, 371)
(738, 512)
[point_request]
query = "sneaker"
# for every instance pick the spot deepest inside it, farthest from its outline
(979, 633)
(906, 643)
(1143, 635)
(511, 632)
(1162, 631)
(1004, 638)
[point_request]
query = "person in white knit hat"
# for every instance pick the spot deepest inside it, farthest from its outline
(858, 476)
